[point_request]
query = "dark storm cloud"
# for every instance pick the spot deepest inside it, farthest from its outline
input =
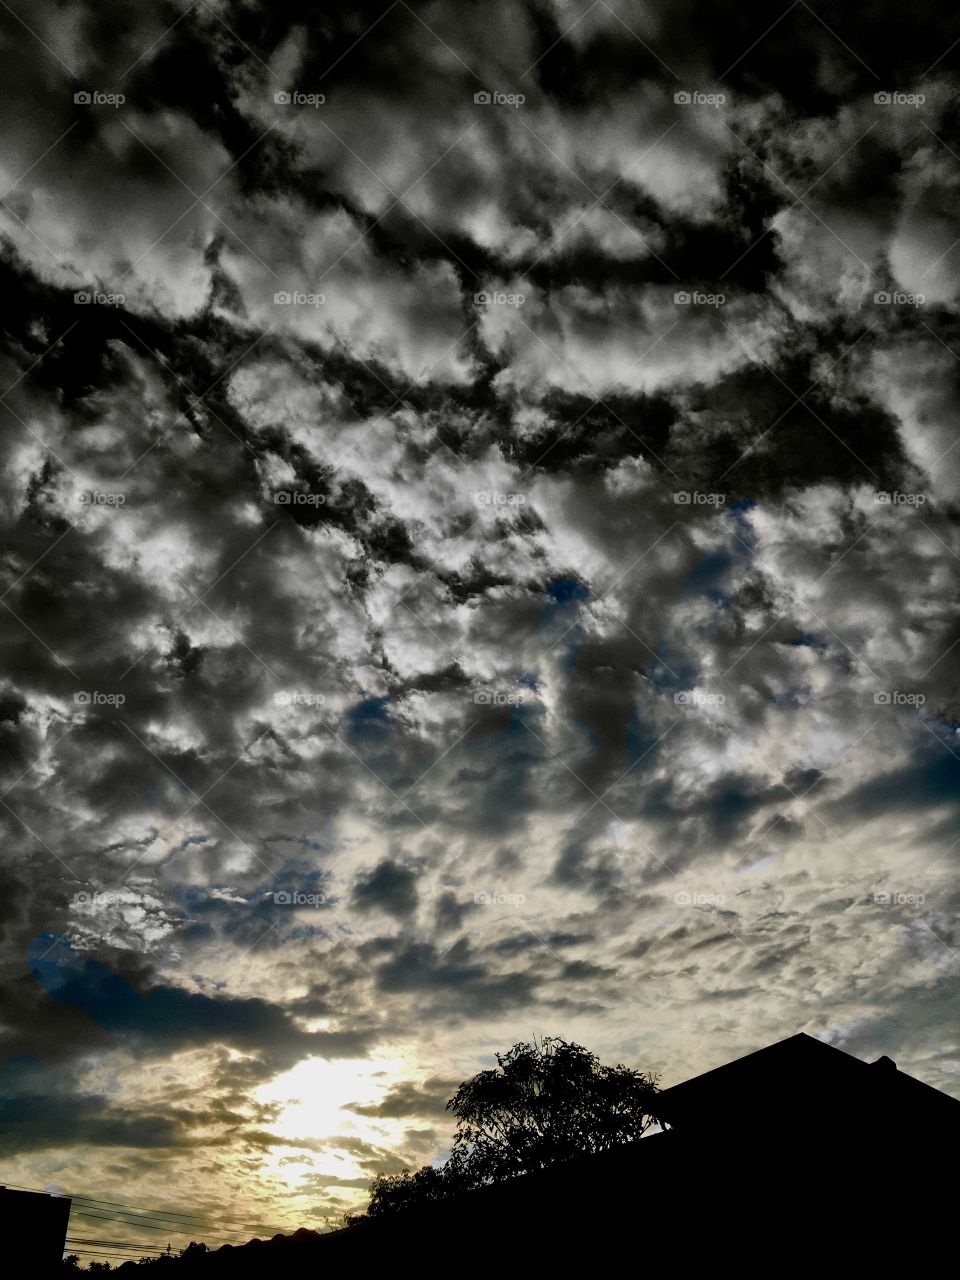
(165, 1019)
(389, 887)
(35, 1122)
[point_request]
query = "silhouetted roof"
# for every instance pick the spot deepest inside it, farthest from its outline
(770, 1083)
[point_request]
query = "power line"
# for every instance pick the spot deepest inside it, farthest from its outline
(153, 1213)
(72, 1246)
(111, 1250)
(120, 1244)
(113, 1257)
(170, 1213)
(166, 1227)
(126, 1244)
(158, 1213)
(86, 1210)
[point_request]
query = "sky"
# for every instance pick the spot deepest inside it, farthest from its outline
(480, 559)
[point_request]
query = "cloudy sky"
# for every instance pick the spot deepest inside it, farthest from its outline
(480, 559)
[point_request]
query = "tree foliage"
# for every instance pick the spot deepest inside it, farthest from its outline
(392, 1193)
(544, 1102)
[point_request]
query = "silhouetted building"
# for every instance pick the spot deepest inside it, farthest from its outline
(796, 1154)
(796, 1150)
(33, 1228)
(772, 1089)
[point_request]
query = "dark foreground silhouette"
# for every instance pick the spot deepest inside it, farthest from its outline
(545, 1102)
(796, 1151)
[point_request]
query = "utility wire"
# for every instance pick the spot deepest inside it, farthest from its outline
(157, 1213)
(113, 1257)
(173, 1214)
(114, 1251)
(169, 1228)
(123, 1244)
(120, 1216)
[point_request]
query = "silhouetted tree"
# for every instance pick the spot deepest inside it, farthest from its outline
(391, 1193)
(543, 1103)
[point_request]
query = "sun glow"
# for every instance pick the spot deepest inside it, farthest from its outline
(318, 1101)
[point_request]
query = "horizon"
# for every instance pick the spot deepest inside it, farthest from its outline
(481, 551)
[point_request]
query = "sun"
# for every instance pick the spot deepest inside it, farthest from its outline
(319, 1100)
